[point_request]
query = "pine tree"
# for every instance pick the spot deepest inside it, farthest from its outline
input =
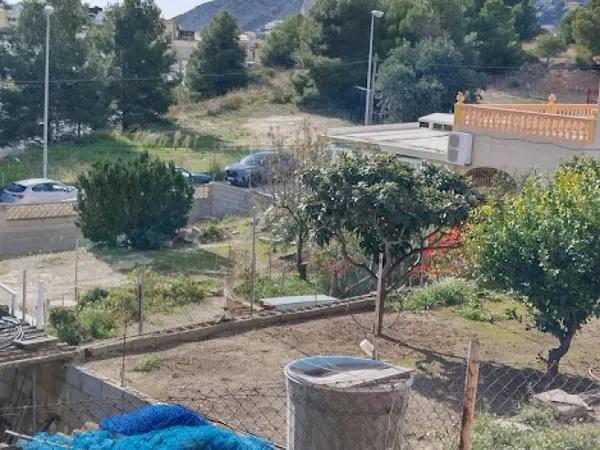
(141, 61)
(77, 93)
(218, 65)
(526, 20)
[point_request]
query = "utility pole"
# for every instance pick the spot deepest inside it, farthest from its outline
(48, 11)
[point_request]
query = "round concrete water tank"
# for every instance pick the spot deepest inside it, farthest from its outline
(346, 403)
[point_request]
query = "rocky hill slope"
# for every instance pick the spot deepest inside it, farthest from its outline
(252, 14)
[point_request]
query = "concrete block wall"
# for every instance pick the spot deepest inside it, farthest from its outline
(23, 234)
(87, 396)
(66, 397)
(47, 228)
(222, 200)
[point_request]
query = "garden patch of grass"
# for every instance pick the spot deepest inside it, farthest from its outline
(533, 429)
(464, 297)
(147, 364)
(192, 262)
(102, 313)
(66, 161)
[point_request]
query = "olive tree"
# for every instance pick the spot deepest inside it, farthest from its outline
(395, 211)
(544, 243)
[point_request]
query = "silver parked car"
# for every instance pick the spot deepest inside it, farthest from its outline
(37, 190)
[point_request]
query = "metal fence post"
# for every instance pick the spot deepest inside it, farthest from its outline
(24, 306)
(41, 303)
(470, 398)
(141, 293)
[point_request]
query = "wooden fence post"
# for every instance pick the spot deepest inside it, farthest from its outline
(470, 398)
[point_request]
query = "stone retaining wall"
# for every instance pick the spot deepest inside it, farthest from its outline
(214, 329)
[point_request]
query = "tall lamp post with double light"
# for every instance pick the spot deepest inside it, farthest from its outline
(48, 11)
(374, 14)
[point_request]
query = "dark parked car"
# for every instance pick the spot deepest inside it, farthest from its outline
(259, 168)
(194, 178)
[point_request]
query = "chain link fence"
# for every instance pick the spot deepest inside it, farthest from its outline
(515, 407)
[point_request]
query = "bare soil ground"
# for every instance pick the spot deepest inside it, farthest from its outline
(239, 379)
(57, 271)
(533, 83)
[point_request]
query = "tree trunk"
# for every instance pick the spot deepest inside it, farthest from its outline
(300, 266)
(556, 354)
(380, 298)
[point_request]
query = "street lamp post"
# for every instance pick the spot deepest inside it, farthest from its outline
(375, 13)
(597, 137)
(48, 11)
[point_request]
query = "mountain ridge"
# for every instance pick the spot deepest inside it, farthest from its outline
(253, 15)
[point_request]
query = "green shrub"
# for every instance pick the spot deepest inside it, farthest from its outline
(182, 291)
(276, 287)
(147, 364)
(532, 429)
(450, 292)
(65, 324)
(93, 297)
(511, 313)
(96, 323)
(157, 205)
(475, 311)
(122, 303)
(210, 232)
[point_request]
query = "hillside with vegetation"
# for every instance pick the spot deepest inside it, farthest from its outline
(252, 16)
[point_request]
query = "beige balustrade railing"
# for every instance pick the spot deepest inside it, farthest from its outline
(563, 109)
(564, 122)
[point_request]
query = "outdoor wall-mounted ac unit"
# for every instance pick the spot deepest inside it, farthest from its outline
(460, 147)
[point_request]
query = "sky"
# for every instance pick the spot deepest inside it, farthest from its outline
(170, 8)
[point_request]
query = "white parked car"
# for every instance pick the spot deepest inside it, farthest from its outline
(37, 190)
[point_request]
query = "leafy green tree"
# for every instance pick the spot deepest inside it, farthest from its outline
(218, 65)
(566, 25)
(545, 244)
(551, 11)
(139, 203)
(417, 80)
(497, 37)
(526, 20)
(283, 44)
(549, 46)
(586, 32)
(392, 209)
(412, 20)
(72, 103)
(141, 60)
(288, 220)
(339, 64)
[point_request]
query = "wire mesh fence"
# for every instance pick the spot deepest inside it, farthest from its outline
(515, 408)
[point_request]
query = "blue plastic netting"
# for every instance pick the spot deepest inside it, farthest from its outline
(152, 418)
(204, 437)
(155, 427)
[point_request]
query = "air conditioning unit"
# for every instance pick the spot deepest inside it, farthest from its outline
(460, 147)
